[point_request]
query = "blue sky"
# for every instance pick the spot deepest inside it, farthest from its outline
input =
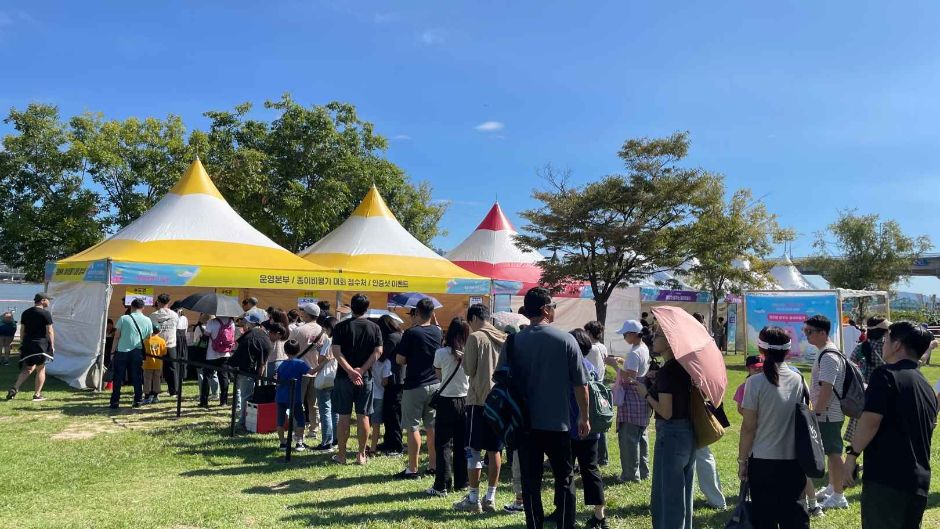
(815, 106)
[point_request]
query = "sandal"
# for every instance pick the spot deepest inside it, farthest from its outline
(361, 460)
(12, 393)
(337, 460)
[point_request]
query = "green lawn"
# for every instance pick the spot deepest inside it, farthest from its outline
(67, 463)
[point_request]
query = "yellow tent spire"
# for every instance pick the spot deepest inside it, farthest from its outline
(373, 206)
(196, 180)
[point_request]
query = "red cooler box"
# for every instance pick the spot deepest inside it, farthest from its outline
(261, 418)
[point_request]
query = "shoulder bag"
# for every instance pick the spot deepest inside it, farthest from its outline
(436, 397)
(807, 438)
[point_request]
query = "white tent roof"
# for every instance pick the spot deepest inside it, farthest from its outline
(788, 277)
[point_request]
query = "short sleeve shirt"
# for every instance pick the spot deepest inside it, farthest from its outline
(380, 371)
(130, 338)
(357, 339)
(445, 361)
(291, 369)
(829, 367)
(638, 359)
(596, 356)
(899, 454)
(776, 409)
(418, 345)
(674, 380)
(35, 320)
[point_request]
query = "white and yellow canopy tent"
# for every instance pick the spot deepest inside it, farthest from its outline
(372, 242)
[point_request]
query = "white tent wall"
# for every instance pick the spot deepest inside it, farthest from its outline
(78, 317)
(624, 304)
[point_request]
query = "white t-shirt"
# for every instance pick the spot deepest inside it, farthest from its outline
(380, 371)
(596, 356)
(445, 361)
(183, 323)
(831, 369)
(638, 359)
(277, 353)
(212, 329)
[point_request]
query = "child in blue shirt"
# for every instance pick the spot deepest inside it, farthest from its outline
(291, 369)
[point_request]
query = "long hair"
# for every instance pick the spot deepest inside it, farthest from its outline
(457, 333)
(279, 316)
(584, 341)
(773, 336)
(388, 325)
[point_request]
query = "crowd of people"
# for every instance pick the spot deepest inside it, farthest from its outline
(436, 379)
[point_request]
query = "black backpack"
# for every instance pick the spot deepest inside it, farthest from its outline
(504, 409)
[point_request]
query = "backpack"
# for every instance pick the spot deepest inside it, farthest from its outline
(504, 408)
(224, 341)
(601, 407)
(852, 397)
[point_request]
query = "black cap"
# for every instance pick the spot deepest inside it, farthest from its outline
(41, 296)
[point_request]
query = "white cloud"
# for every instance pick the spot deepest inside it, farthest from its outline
(490, 126)
(401, 137)
(431, 37)
(384, 18)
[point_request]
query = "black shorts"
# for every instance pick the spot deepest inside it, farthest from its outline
(35, 352)
(479, 434)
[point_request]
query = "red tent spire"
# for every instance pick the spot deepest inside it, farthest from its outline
(495, 220)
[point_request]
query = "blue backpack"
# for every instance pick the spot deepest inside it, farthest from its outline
(504, 409)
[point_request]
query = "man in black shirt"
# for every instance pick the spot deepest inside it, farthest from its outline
(416, 351)
(37, 345)
(357, 344)
(251, 351)
(894, 432)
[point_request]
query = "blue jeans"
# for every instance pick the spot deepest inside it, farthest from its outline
(272, 368)
(243, 391)
(634, 453)
(708, 482)
(673, 471)
(132, 363)
(328, 419)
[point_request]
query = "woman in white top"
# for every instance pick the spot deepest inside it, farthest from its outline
(449, 426)
(599, 357)
(766, 451)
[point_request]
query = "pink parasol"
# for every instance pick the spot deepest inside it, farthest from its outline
(695, 349)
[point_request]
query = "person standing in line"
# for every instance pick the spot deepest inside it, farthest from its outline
(633, 416)
(155, 349)
(547, 363)
(674, 452)
(129, 335)
(278, 334)
(290, 369)
(182, 343)
(310, 336)
(828, 373)
(895, 433)
(357, 344)
(324, 378)
(481, 355)
(706, 468)
(600, 358)
(416, 352)
(251, 351)
(381, 373)
(167, 321)
(37, 345)
(449, 421)
(391, 403)
(767, 450)
(221, 333)
(720, 333)
(868, 357)
(7, 332)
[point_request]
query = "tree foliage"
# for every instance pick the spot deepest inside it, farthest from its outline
(732, 240)
(863, 252)
(615, 231)
(294, 177)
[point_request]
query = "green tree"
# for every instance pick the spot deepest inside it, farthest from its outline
(615, 231)
(45, 213)
(863, 252)
(728, 234)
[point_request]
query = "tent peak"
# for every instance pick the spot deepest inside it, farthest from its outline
(196, 180)
(373, 205)
(496, 220)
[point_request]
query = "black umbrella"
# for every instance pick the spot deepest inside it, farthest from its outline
(212, 303)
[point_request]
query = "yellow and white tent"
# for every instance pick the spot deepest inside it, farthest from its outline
(371, 241)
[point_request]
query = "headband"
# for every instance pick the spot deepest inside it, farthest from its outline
(764, 345)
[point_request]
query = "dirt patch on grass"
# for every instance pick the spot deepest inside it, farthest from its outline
(83, 431)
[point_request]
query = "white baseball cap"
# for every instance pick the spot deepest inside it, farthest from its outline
(312, 309)
(630, 326)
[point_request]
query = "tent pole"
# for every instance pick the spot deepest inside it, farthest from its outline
(104, 334)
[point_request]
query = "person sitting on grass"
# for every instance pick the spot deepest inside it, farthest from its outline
(154, 351)
(290, 369)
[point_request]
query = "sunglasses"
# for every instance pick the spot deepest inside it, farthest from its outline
(552, 305)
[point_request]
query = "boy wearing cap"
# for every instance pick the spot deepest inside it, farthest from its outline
(633, 416)
(37, 345)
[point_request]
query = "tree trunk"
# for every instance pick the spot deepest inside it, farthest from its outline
(600, 307)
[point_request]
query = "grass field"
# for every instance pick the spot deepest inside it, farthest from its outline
(66, 462)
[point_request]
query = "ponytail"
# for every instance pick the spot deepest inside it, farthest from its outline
(774, 344)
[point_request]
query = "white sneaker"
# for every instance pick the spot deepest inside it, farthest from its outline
(836, 501)
(823, 493)
(816, 512)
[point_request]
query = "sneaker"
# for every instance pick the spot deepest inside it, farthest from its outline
(155, 399)
(404, 474)
(299, 447)
(594, 523)
(816, 512)
(323, 446)
(836, 501)
(38, 398)
(12, 393)
(466, 505)
(436, 493)
(136, 405)
(513, 507)
(145, 401)
(823, 493)
(283, 445)
(430, 472)
(488, 505)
